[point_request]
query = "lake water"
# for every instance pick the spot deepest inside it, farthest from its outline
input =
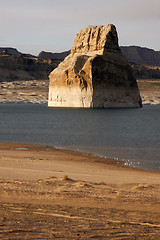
(132, 135)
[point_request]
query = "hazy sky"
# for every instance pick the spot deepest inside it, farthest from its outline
(51, 25)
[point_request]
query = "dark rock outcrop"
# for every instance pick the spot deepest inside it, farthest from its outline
(141, 55)
(9, 50)
(145, 71)
(20, 67)
(50, 55)
(13, 51)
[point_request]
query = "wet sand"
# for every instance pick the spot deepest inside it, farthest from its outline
(47, 193)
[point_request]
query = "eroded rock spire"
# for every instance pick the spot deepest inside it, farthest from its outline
(95, 74)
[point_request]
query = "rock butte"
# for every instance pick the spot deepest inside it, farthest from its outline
(95, 74)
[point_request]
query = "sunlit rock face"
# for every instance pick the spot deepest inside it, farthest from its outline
(95, 74)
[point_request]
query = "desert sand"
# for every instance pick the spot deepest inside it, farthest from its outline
(149, 90)
(31, 91)
(47, 193)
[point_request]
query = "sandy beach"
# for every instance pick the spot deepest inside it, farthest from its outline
(47, 193)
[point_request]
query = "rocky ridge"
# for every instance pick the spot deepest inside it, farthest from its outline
(20, 67)
(95, 74)
(145, 71)
(138, 57)
(141, 55)
(9, 50)
(50, 55)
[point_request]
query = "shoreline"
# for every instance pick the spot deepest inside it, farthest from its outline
(97, 156)
(65, 158)
(139, 157)
(144, 103)
(36, 91)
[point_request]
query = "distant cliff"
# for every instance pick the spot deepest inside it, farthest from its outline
(134, 54)
(50, 55)
(14, 65)
(9, 50)
(145, 62)
(13, 51)
(145, 71)
(141, 55)
(20, 67)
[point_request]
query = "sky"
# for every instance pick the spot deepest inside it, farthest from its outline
(51, 25)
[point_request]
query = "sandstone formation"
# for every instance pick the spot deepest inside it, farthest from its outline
(95, 74)
(145, 62)
(134, 54)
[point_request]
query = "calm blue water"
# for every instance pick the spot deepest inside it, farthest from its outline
(132, 135)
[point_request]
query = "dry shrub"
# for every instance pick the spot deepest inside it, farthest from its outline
(66, 178)
(102, 183)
